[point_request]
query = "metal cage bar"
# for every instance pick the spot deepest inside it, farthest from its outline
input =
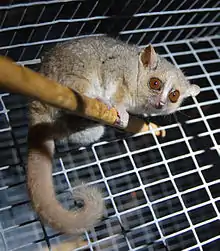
(160, 194)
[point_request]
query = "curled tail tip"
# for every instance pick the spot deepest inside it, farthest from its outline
(91, 196)
(93, 203)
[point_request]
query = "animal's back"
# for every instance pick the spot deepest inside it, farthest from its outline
(85, 57)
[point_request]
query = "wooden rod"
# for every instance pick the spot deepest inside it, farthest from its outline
(22, 80)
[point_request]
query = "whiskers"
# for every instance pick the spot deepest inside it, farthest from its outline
(168, 117)
(186, 115)
(180, 120)
(174, 116)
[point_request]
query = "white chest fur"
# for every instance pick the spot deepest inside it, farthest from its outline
(104, 90)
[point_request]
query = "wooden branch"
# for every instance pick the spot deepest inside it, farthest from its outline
(19, 79)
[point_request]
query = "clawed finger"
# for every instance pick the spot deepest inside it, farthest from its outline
(161, 133)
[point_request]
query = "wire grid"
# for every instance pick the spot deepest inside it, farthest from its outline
(160, 194)
(27, 28)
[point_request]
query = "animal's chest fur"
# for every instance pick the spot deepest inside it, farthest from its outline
(104, 89)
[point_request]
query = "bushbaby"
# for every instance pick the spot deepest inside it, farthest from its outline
(134, 80)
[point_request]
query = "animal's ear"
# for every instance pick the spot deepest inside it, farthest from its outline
(193, 90)
(148, 57)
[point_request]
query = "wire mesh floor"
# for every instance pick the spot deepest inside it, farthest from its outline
(160, 193)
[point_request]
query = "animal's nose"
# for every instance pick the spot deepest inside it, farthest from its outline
(159, 105)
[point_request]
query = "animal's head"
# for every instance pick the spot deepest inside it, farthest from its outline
(162, 85)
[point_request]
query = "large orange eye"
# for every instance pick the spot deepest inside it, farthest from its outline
(155, 84)
(174, 96)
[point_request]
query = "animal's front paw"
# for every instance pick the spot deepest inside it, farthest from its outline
(123, 117)
(158, 132)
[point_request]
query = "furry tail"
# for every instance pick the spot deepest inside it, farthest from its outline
(41, 190)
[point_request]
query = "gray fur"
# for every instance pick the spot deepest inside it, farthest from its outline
(119, 73)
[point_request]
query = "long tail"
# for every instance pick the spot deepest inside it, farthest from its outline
(41, 190)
